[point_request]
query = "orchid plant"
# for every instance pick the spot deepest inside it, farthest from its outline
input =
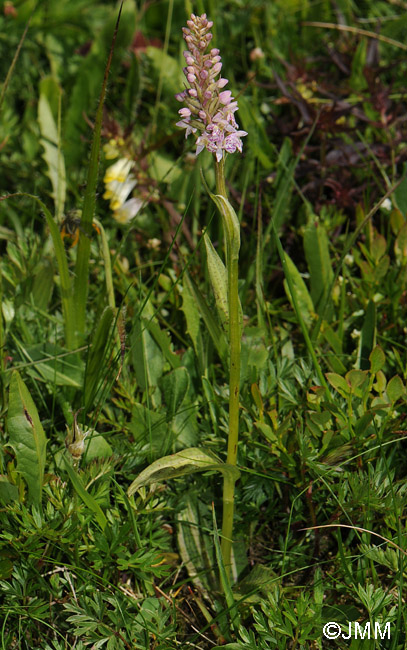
(209, 115)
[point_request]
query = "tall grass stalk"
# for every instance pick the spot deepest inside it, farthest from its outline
(82, 261)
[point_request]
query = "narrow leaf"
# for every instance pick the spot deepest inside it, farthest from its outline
(316, 247)
(85, 496)
(219, 281)
(99, 350)
(51, 143)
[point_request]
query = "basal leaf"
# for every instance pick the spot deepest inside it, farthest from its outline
(184, 462)
(27, 437)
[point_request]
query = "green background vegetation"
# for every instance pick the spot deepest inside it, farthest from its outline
(323, 274)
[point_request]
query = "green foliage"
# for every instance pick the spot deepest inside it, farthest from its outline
(322, 287)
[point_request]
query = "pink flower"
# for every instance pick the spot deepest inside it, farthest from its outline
(210, 109)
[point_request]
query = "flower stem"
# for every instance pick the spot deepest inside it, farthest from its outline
(232, 262)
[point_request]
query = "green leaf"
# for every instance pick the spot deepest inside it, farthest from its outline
(219, 282)
(166, 69)
(27, 437)
(230, 223)
(184, 462)
(395, 388)
(43, 285)
(339, 383)
(377, 359)
(8, 491)
(85, 496)
(367, 336)
(50, 93)
(175, 388)
(98, 353)
(196, 545)
(316, 247)
(97, 447)
(216, 333)
(53, 364)
(191, 313)
(305, 304)
(148, 360)
(356, 378)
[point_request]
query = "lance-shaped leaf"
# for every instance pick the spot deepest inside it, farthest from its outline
(26, 437)
(87, 498)
(184, 462)
(219, 281)
(230, 223)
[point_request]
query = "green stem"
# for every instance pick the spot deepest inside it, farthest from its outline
(232, 262)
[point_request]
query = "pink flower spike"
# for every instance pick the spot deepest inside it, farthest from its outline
(210, 109)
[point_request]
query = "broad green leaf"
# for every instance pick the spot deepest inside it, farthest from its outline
(26, 437)
(43, 285)
(148, 359)
(377, 359)
(8, 491)
(196, 545)
(356, 378)
(304, 300)
(166, 69)
(97, 447)
(87, 498)
(219, 282)
(316, 247)
(339, 383)
(53, 364)
(101, 344)
(395, 388)
(175, 389)
(184, 462)
(163, 340)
